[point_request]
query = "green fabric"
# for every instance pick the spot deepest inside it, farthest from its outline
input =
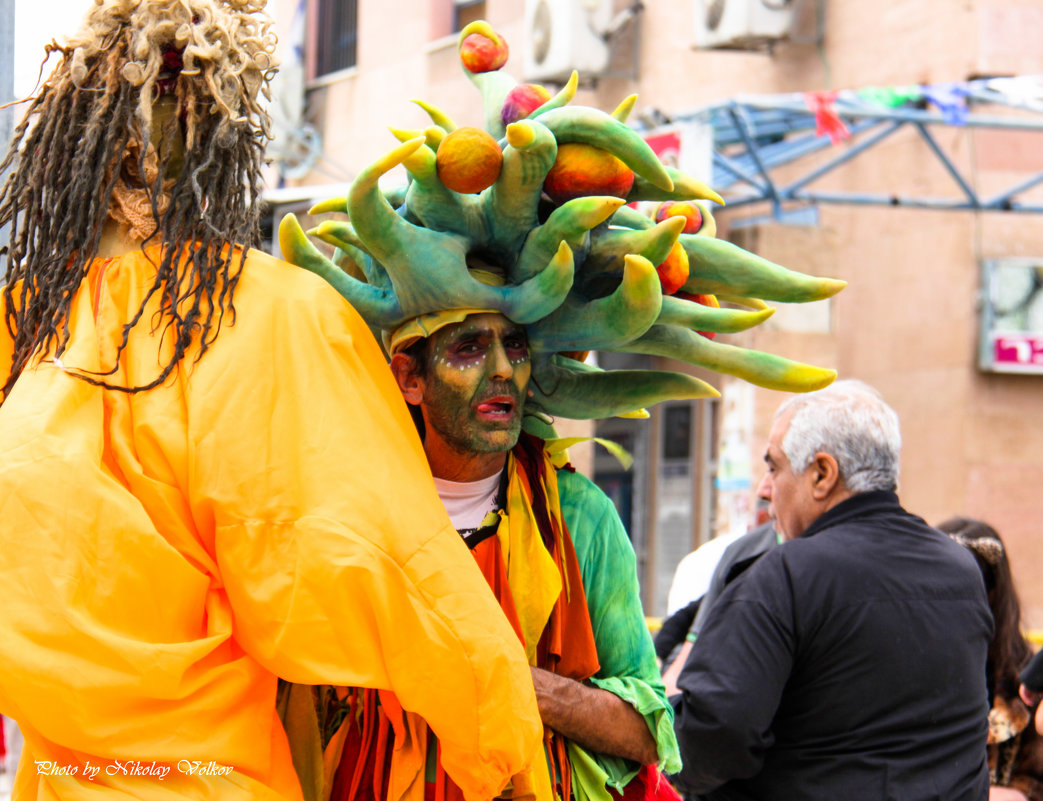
(890, 96)
(588, 777)
(296, 704)
(624, 645)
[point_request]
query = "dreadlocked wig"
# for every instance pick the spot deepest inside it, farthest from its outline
(95, 145)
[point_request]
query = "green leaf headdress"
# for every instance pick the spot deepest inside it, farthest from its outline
(577, 267)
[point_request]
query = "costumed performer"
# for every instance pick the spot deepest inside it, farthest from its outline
(183, 432)
(487, 274)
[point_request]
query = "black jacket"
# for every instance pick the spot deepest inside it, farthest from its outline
(736, 558)
(847, 664)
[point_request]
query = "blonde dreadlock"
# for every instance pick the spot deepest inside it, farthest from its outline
(69, 154)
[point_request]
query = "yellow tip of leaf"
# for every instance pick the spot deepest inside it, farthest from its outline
(571, 85)
(404, 134)
(434, 135)
(332, 204)
(806, 378)
(622, 111)
(831, 286)
(634, 265)
(482, 27)
(520, 134)
(751, 303)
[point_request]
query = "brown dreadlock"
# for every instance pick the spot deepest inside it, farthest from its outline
(88, 134)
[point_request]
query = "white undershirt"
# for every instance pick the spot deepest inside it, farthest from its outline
(468, 502)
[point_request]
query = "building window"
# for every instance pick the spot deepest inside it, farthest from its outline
(452, 16)
(677, 431)
(466, 12)
(336, 35)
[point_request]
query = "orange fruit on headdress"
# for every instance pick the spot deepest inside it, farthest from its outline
(468, 160)
(686, 208)
(673, 271)
(479, 53)
(581, 170)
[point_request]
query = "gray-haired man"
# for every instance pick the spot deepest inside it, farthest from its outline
(848, 663)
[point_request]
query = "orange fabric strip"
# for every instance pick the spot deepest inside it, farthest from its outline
(566, 646)
(96, 289)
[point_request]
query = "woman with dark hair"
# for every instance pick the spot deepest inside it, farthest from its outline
(1015, 749)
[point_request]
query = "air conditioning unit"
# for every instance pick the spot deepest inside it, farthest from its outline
(741, 24)
(566, 35)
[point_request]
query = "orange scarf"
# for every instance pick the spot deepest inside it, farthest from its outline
(531, 527)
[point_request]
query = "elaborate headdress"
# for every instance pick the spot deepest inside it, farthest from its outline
(88, 150)
(540, 194)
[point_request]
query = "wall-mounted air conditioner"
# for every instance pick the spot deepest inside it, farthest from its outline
(566, 35)
(741, 24)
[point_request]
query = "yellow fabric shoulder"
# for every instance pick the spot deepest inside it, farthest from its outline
(265, 513)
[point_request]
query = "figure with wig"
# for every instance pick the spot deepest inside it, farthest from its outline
(202, 454)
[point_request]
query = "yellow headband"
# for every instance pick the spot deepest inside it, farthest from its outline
(425, 325)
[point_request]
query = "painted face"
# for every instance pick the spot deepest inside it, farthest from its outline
(477, 376)
(167, 135)
(790, 495)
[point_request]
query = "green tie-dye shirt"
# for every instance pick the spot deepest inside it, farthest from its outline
(624, 645)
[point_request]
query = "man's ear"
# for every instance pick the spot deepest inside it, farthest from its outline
(411, 385)
(825, 475)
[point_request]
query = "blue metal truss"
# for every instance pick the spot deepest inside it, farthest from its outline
(754, 137)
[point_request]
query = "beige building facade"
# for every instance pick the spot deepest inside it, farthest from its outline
(909, 320)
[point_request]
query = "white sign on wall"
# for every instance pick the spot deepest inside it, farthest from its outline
(1012, 316)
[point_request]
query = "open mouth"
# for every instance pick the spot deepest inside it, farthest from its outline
(166, 81)
(499, 408)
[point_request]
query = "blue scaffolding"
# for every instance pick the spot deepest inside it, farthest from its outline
(753, 137)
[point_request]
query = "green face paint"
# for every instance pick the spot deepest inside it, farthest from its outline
(166, 134)
(478, 372)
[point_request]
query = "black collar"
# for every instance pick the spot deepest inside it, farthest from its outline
(860, 505)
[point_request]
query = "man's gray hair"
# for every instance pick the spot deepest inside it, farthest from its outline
(850, 421)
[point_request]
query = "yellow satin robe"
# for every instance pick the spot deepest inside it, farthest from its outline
(267, 512)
